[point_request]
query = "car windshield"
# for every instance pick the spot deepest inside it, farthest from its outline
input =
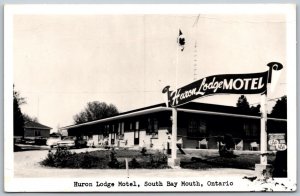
(69, 138)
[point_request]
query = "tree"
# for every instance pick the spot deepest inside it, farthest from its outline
(280, 108)
(18, 116)
(242, 104)
(94, 111)
(255, 109)
(26, 118)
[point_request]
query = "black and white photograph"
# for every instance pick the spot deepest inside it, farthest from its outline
(150, 98)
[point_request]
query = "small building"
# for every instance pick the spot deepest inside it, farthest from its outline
(35, 129)
(199, 125)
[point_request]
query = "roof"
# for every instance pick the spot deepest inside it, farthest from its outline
(35, 125)
(191, 107)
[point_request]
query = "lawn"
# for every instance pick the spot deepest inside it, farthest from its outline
(205, 159)
(150, 159)
(106, 159)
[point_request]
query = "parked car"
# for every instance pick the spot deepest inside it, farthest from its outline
(52, 141)
(40, 140)
(72, 142)
(29, 140)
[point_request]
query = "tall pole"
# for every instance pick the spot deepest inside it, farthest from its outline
(174, 134)
(174, 114)
(173, 162)
(263, 170)
(263, 132)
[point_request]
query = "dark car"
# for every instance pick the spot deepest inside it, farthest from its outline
(40, 140)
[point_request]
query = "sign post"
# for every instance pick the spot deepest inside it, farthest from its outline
(174, 161)
(263, 132)
(263, 169)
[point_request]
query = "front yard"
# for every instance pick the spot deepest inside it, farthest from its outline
(106, 159)
(150, 159)
(205, 159)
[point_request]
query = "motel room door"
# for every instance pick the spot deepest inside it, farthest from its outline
(136, 134)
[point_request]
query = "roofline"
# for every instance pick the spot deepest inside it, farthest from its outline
(159, 109)
(49, 128)
(227, 114)
(131, 114)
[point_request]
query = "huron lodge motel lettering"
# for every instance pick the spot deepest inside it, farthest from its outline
(229, 83)
(252, 83)
(237, 84)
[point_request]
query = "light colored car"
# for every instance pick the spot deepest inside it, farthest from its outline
(72, 142)
(52, 141)
(67, 142)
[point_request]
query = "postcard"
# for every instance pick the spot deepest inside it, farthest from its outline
(150, 98)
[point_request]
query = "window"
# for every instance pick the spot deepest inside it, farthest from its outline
(192, 130)
(155, 125)
(37, 133)
(149, 125)
(197, 128)
(137, 125)
(250, 129)
(136, 134)
(202, 127)
(121, 130)
(106, 130)
(113, 128)
(152, 126)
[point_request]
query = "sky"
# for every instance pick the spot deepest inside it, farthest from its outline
(62, 62)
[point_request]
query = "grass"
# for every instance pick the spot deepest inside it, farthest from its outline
(106, 159)
(194, 159)
(211, 159)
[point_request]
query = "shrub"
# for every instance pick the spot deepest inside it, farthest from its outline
(134, 164)
(143, 151)
(158, 160)
(114, 163)
(66, 159)
(57, 159)
(88, 161)
(49, 161)
(104, 159)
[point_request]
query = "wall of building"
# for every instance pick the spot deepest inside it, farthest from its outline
(36, 132)
(243, 131)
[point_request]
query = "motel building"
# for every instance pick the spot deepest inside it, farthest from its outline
(199, 126)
